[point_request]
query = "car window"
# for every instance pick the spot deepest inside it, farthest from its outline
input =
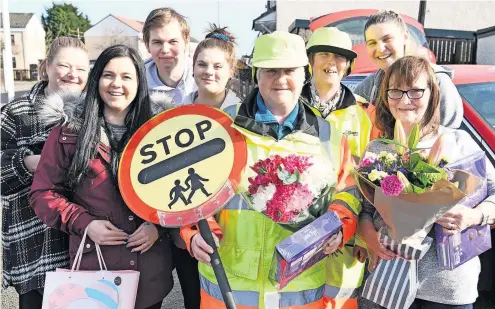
(355, 28)
(468, 127)
(352, 81)
(481, 96)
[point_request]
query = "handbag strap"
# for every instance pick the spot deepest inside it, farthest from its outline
(78, 258)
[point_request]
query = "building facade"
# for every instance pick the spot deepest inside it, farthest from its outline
(113, 30)
(28, 44)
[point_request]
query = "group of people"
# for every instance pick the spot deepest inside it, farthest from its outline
(62, 142)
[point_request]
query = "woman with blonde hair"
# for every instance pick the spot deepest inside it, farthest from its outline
(30, 248)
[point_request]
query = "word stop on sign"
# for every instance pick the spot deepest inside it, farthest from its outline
(181, 162)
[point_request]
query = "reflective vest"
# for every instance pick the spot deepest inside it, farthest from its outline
(249, 237)
(355, 124)
(344, 272)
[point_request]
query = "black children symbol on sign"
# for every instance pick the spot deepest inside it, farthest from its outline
(193, 182)
(176, 193)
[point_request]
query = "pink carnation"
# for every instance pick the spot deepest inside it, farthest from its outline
(367, 162)
(299, 163)
(391, 185)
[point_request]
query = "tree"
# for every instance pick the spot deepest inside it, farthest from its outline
(64, 20)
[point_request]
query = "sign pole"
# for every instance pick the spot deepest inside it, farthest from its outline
(216, 263)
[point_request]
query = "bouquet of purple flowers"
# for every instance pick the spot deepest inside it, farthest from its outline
(410, 188)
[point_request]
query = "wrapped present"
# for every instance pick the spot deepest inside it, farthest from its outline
(403, 249)
(393, 283)
(302, 249)
(455, 250)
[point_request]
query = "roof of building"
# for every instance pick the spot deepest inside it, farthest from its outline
(17, 20)
(134, 24)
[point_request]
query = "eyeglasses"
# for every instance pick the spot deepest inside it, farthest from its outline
(396, 94)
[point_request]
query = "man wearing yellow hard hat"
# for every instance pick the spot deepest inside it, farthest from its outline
(331, 57)
(274, 121)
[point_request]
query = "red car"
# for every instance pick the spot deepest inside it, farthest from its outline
(476, 84)
(353, 22)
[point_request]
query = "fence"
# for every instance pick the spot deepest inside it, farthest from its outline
(451, 46)
(25, 74)
(242, 87)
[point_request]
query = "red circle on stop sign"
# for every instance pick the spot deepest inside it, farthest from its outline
(182, 165)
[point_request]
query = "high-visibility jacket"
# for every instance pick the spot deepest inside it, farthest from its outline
(248, 238)
(354, 117)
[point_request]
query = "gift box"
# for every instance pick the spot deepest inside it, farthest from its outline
(302, 249)
(455, 250)
(393, 283)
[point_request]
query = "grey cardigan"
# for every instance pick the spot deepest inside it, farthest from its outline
(452, 287)
(451, 109)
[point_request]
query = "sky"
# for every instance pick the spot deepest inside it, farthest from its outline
(237, 15)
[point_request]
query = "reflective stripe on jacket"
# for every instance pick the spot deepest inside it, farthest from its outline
(248, 237)
(354, 117)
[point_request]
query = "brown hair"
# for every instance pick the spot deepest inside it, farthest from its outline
(388, 16)
(218, 37)
(385, 16)
(58, 44)
(407, 70)
(160, 17)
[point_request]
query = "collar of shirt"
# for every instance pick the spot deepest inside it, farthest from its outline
(264, 115)
(186, 83)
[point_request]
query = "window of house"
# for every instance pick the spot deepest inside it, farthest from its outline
(13, 63)
(12, 39)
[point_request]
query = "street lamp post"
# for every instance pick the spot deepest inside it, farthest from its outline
(8, 70)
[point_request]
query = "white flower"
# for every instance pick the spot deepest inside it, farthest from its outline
(261, 198)
(317, 177)
(392, 156)
(371, 155)
(376, 175)
(383, 154)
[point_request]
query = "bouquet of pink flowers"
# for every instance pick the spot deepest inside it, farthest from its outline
(410, 188)
(291, 190)
(408, 169)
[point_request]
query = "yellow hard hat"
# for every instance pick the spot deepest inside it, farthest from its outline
(332, 40)
(279, 50)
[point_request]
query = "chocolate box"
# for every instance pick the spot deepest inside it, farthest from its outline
(302, 249)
